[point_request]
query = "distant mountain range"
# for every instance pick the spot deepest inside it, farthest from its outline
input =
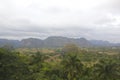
(55, 42)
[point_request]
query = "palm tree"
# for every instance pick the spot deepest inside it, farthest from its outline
(72, 67)
(106, 70)
(36, 65)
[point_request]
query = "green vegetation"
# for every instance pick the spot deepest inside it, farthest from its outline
(69, 63)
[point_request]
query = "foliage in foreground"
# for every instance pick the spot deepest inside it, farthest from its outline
(73, 65)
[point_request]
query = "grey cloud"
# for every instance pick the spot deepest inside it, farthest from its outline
(114, 6)
(105, 20)
(110, 6)
(75, 18)
(42, 32)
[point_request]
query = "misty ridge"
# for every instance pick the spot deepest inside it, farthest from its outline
(55, 42)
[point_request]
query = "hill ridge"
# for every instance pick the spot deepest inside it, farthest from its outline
(55, 42)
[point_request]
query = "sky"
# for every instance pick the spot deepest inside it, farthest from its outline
(91, 19)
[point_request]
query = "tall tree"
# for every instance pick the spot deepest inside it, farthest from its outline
(11, 66)
(107, 70)
(36, 65)
(72, 67)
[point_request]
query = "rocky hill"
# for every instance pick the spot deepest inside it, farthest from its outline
(55, 42)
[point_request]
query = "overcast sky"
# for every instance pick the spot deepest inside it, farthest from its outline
(92, 19)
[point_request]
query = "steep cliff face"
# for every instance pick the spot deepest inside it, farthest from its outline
(55, 42)
(61, 41)
(32, 43)
(6, 42)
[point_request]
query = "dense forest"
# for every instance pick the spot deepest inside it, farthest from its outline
(67, 63)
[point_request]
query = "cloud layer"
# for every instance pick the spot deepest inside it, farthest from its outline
(92, 19)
